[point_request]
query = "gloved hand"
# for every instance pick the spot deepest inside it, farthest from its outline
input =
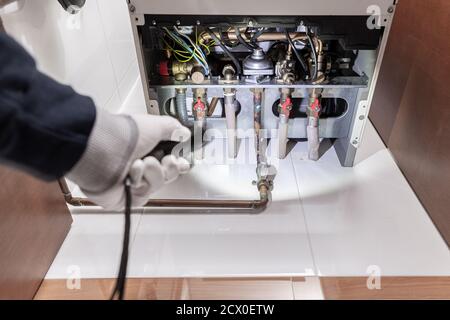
(117, 148)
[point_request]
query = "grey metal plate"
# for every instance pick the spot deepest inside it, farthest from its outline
(259, 7)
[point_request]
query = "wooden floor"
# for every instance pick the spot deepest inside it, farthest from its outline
(250, 288)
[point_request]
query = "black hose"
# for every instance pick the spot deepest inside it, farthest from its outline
(314, 54)
(119, 288)
(241, 40)
(299, 57)
(225, 50)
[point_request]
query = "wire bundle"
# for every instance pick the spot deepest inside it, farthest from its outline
(190, 50)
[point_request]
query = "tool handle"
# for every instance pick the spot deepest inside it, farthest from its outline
(163, 149)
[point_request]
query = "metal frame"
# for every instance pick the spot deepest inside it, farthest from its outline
(258, 7)
(358, 96)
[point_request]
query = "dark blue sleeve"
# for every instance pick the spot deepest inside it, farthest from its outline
(44, 125)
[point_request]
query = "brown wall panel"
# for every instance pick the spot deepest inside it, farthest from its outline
(34, 221)
(411, 109)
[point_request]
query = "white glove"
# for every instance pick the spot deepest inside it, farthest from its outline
(116, 149)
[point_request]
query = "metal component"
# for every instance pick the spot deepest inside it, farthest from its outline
(226, 206)
(320, 61)
(181, 67)
(266, 36)
(199, 104)
(197, 75)
(285, 68)
(212, 106)
(335, 128)
(253, 8)
(199, 110)
(257, 67)
(358, 128)
(312, 129)
(265, 172)
(229, 73)
(284, 109)
(346, 128)
(230, 114)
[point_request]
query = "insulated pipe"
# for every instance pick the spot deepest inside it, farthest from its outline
(312, 130)
(230, 114)
(181, 108)
(284, 109)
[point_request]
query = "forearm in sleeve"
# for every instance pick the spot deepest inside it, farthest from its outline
(44, 125)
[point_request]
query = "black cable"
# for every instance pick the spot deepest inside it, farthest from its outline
(298, 56)
(119, 288)
(314, 54)
(225, 50)
(241, 40)
(256, 35)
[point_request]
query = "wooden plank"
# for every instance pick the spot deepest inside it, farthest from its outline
(175, 289)
(34, 221)
(252, 288)
(408, 288)
(411, 104)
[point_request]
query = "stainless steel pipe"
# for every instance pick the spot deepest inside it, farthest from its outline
(284, 109)
(312, 130)
(230, 114)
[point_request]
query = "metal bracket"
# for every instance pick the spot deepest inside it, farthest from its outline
(359, 123)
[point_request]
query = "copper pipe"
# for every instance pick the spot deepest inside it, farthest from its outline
(267, 36)
(212, 106)
(248, 205)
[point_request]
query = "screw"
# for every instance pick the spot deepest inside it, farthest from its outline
(198, 22)
(132, 8)
(390, 9)
(178, 22)
(355, 142)
(361, 117)
(154, 22)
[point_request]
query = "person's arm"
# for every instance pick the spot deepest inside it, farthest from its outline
(44, 125)
(49, 130)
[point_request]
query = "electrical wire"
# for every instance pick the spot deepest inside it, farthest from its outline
(242, 41)
(256, 35)
(199, 57)
(196, 48)
(225, 50)
(119, 288)
(297, 55)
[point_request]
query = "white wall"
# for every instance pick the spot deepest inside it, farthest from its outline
(93, 51)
